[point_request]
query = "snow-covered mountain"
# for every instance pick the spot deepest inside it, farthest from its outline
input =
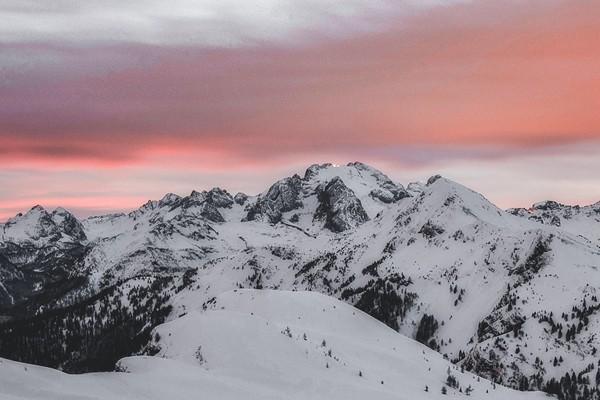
(261, 344)
(510, 295)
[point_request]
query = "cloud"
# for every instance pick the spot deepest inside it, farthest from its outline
(473, 84)
(563, 173)
(469, 75)
(193, 22)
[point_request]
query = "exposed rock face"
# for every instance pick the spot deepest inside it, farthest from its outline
(219, 198)
(283, 196)
(240, 198)
(391, 195)
(571, 218)
(414, 188)
(339, 207)
(433, 179)
(68, 224)
(548, 205)
(314, 169)
(201, 205)
(390, 192)
(169, 199)
(209, 211)
(205, 204)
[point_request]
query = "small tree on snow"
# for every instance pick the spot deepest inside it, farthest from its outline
(199, 356)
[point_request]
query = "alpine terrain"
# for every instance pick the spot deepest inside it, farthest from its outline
(297, 292)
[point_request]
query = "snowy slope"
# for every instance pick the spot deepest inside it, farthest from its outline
(265, 345)
(580, 221)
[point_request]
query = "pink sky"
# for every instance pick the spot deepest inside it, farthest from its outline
(501, 96)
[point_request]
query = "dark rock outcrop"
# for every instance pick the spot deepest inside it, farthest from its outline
(240, 198)
(219, 198)
(339, 207)
(68, 224)
(314, 169)
(283, 196)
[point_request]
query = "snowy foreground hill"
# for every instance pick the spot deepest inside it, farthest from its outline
(511, 296)
(262, 344)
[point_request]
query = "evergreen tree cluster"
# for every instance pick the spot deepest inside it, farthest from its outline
(91, 335)
(387, 300)
(426, 330)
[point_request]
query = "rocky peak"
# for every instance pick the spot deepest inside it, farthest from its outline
(519, 212)
(39, 225)
(68, 224)
(169, 199)
(363, 167)
(386, 191)
(449, 204)
(433, 179)
(415, 188)
(548, 205)
(219, 198)
(202, 204)
(35, 223)
(389, 192)
(198, 204)
(283, 196)
(314, 169)
(339, 207)
(196, 195)
(240, 198)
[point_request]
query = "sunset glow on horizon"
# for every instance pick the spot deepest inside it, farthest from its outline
(117, 108)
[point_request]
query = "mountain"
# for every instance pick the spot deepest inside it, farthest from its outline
(509, 295)
(39, 254)
(262, 344)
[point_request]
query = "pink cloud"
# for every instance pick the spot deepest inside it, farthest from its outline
(465, 82)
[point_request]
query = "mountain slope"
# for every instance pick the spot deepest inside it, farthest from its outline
(266, 345)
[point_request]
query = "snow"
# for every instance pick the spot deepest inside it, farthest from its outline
(240, 348)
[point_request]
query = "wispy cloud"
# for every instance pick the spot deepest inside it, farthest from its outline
(195, 22)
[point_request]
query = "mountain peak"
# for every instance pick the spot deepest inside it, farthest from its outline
(362, 166)
(37, 225)
(547, 205)
(433, 179)
(37, 209)
(314, 169)
(61, 211)
(169, 199)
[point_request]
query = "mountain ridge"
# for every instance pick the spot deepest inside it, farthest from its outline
(437, 262)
